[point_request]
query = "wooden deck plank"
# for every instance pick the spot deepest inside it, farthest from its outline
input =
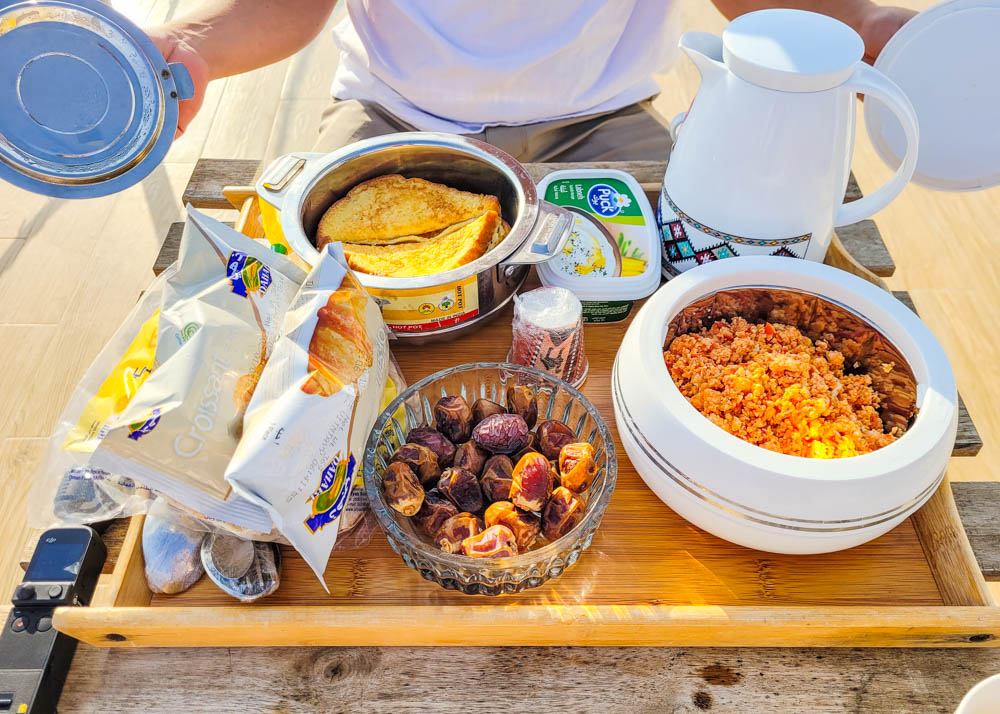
(204, 189)
(385, 680)
(978, 503)
(246, 112)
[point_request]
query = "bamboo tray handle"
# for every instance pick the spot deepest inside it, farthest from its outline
(237, 195)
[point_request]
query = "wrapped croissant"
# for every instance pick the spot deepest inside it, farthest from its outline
(309, 417)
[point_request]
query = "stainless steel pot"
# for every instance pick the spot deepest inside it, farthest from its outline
(296, 189)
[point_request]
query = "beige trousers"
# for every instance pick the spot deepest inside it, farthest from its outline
(635, 132)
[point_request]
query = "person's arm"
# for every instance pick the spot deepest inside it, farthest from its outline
(875, 23)
(227, 37)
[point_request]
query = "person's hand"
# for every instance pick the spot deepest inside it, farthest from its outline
(878, 25)
(175, 49)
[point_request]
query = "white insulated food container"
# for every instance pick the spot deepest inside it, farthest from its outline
(759, 498)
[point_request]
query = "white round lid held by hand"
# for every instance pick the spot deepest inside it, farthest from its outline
(791, 50)
(947, 61)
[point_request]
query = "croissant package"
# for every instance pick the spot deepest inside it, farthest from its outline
(317, 399)
(223, 305)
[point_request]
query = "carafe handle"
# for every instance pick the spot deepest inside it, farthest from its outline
(875, 84)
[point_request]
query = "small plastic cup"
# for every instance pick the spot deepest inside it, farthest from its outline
(548, 334)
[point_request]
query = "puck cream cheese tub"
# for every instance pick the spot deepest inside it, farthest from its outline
(297, 189)
(612, 257)
(759, 498)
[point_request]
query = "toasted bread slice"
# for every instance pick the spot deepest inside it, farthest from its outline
(449, 250)
(388, 207)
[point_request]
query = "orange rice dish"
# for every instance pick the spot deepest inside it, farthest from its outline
(772, 386)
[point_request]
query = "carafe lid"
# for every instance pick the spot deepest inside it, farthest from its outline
(89, 105)
(945, 59)
(791, 50)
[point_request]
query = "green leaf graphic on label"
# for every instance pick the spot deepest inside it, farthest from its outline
(633, 259)
(251, 274)
(187, 332)
(325, 500)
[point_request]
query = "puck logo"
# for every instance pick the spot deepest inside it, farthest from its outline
(606, 201)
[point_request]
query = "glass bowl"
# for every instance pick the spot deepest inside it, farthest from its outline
(488, 576)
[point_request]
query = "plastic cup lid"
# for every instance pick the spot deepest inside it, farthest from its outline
(89, 105)
(945, 59)
(791, 50)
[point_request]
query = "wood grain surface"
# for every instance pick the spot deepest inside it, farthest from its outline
(978, 502)
(510, 624)
(204, 190)
(387, 680)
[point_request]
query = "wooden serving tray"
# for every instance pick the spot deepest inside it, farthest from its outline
(650, 577)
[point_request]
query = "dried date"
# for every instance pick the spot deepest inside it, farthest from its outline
(471, 457)
(524, 525)
(483, 408)
(531, 482)
(494, 542)
(577, 467)
(453, 418)
(521, 401)
(435, 441)
(552, 436)
(401, 488)
(435, 510)
(422, 460)
(455, 530)
(563, 511)
(532, 445)
(462, 488)
(501, 433)
(496, 478)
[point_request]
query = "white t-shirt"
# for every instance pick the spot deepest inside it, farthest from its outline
(461, 65)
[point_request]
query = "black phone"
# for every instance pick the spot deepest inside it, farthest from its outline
(34, 657)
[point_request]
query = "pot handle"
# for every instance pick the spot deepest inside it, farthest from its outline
(183, 83)
(547, 237)
(280, 174)
(875, 84)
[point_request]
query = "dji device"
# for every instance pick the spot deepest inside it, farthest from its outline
(34, 657)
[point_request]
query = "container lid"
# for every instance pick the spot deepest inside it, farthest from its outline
(945, 59)
(89, 103)
(791, 50)
(613, 252)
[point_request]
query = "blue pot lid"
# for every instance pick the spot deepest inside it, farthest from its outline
(88, 105)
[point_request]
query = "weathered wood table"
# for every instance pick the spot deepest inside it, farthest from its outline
(558, 679)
